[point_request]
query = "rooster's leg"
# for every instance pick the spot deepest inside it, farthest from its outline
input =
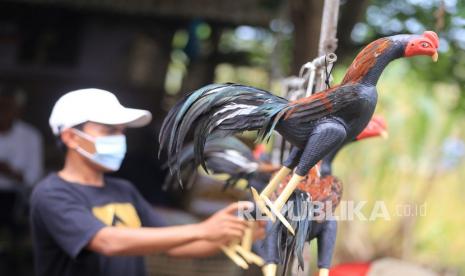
(269, 250)
(326, 241)
(323, 139)
(268, 190)
(290, 163)
(275, 181)
(231, 253)
(270, 269)
(245, 248)
(282, 199)
(235, 250)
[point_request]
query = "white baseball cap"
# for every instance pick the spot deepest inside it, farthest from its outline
(95, 105)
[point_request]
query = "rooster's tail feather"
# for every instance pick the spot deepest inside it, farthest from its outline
(222, 110)
(291, 245)
(231, 157)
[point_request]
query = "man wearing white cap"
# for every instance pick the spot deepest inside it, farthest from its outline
(85, 223)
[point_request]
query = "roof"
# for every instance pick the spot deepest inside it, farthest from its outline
(251, 12)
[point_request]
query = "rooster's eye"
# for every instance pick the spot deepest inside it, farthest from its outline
(425, 45)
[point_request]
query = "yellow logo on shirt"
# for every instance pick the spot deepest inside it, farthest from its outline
(118, 214)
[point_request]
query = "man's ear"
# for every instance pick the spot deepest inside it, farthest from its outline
(69, 138)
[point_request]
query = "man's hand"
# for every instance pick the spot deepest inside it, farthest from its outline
(194, 240)
(224, 225)
(259, 232)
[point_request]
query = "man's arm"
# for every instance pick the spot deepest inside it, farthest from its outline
(113, 241)
(199, 249)
(196, 249)
(222, 227)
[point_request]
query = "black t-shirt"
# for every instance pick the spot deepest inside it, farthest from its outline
(65, 216)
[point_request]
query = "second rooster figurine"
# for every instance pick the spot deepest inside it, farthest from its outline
(316, 125)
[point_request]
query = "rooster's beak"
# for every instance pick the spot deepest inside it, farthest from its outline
(384, 134)
(435, 56)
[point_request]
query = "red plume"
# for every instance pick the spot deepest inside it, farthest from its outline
(353, 269)
(375, 127)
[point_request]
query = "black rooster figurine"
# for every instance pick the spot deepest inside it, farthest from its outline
(227, 158)
(316, 125)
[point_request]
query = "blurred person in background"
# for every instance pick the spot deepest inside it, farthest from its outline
(21, 166)
(86, 223)
(21, 155)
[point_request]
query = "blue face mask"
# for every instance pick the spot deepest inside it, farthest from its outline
(109, 150)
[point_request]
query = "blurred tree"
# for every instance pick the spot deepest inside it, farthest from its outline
(306, 16)
(388, 17)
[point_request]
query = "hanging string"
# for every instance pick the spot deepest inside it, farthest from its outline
(328, 74)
